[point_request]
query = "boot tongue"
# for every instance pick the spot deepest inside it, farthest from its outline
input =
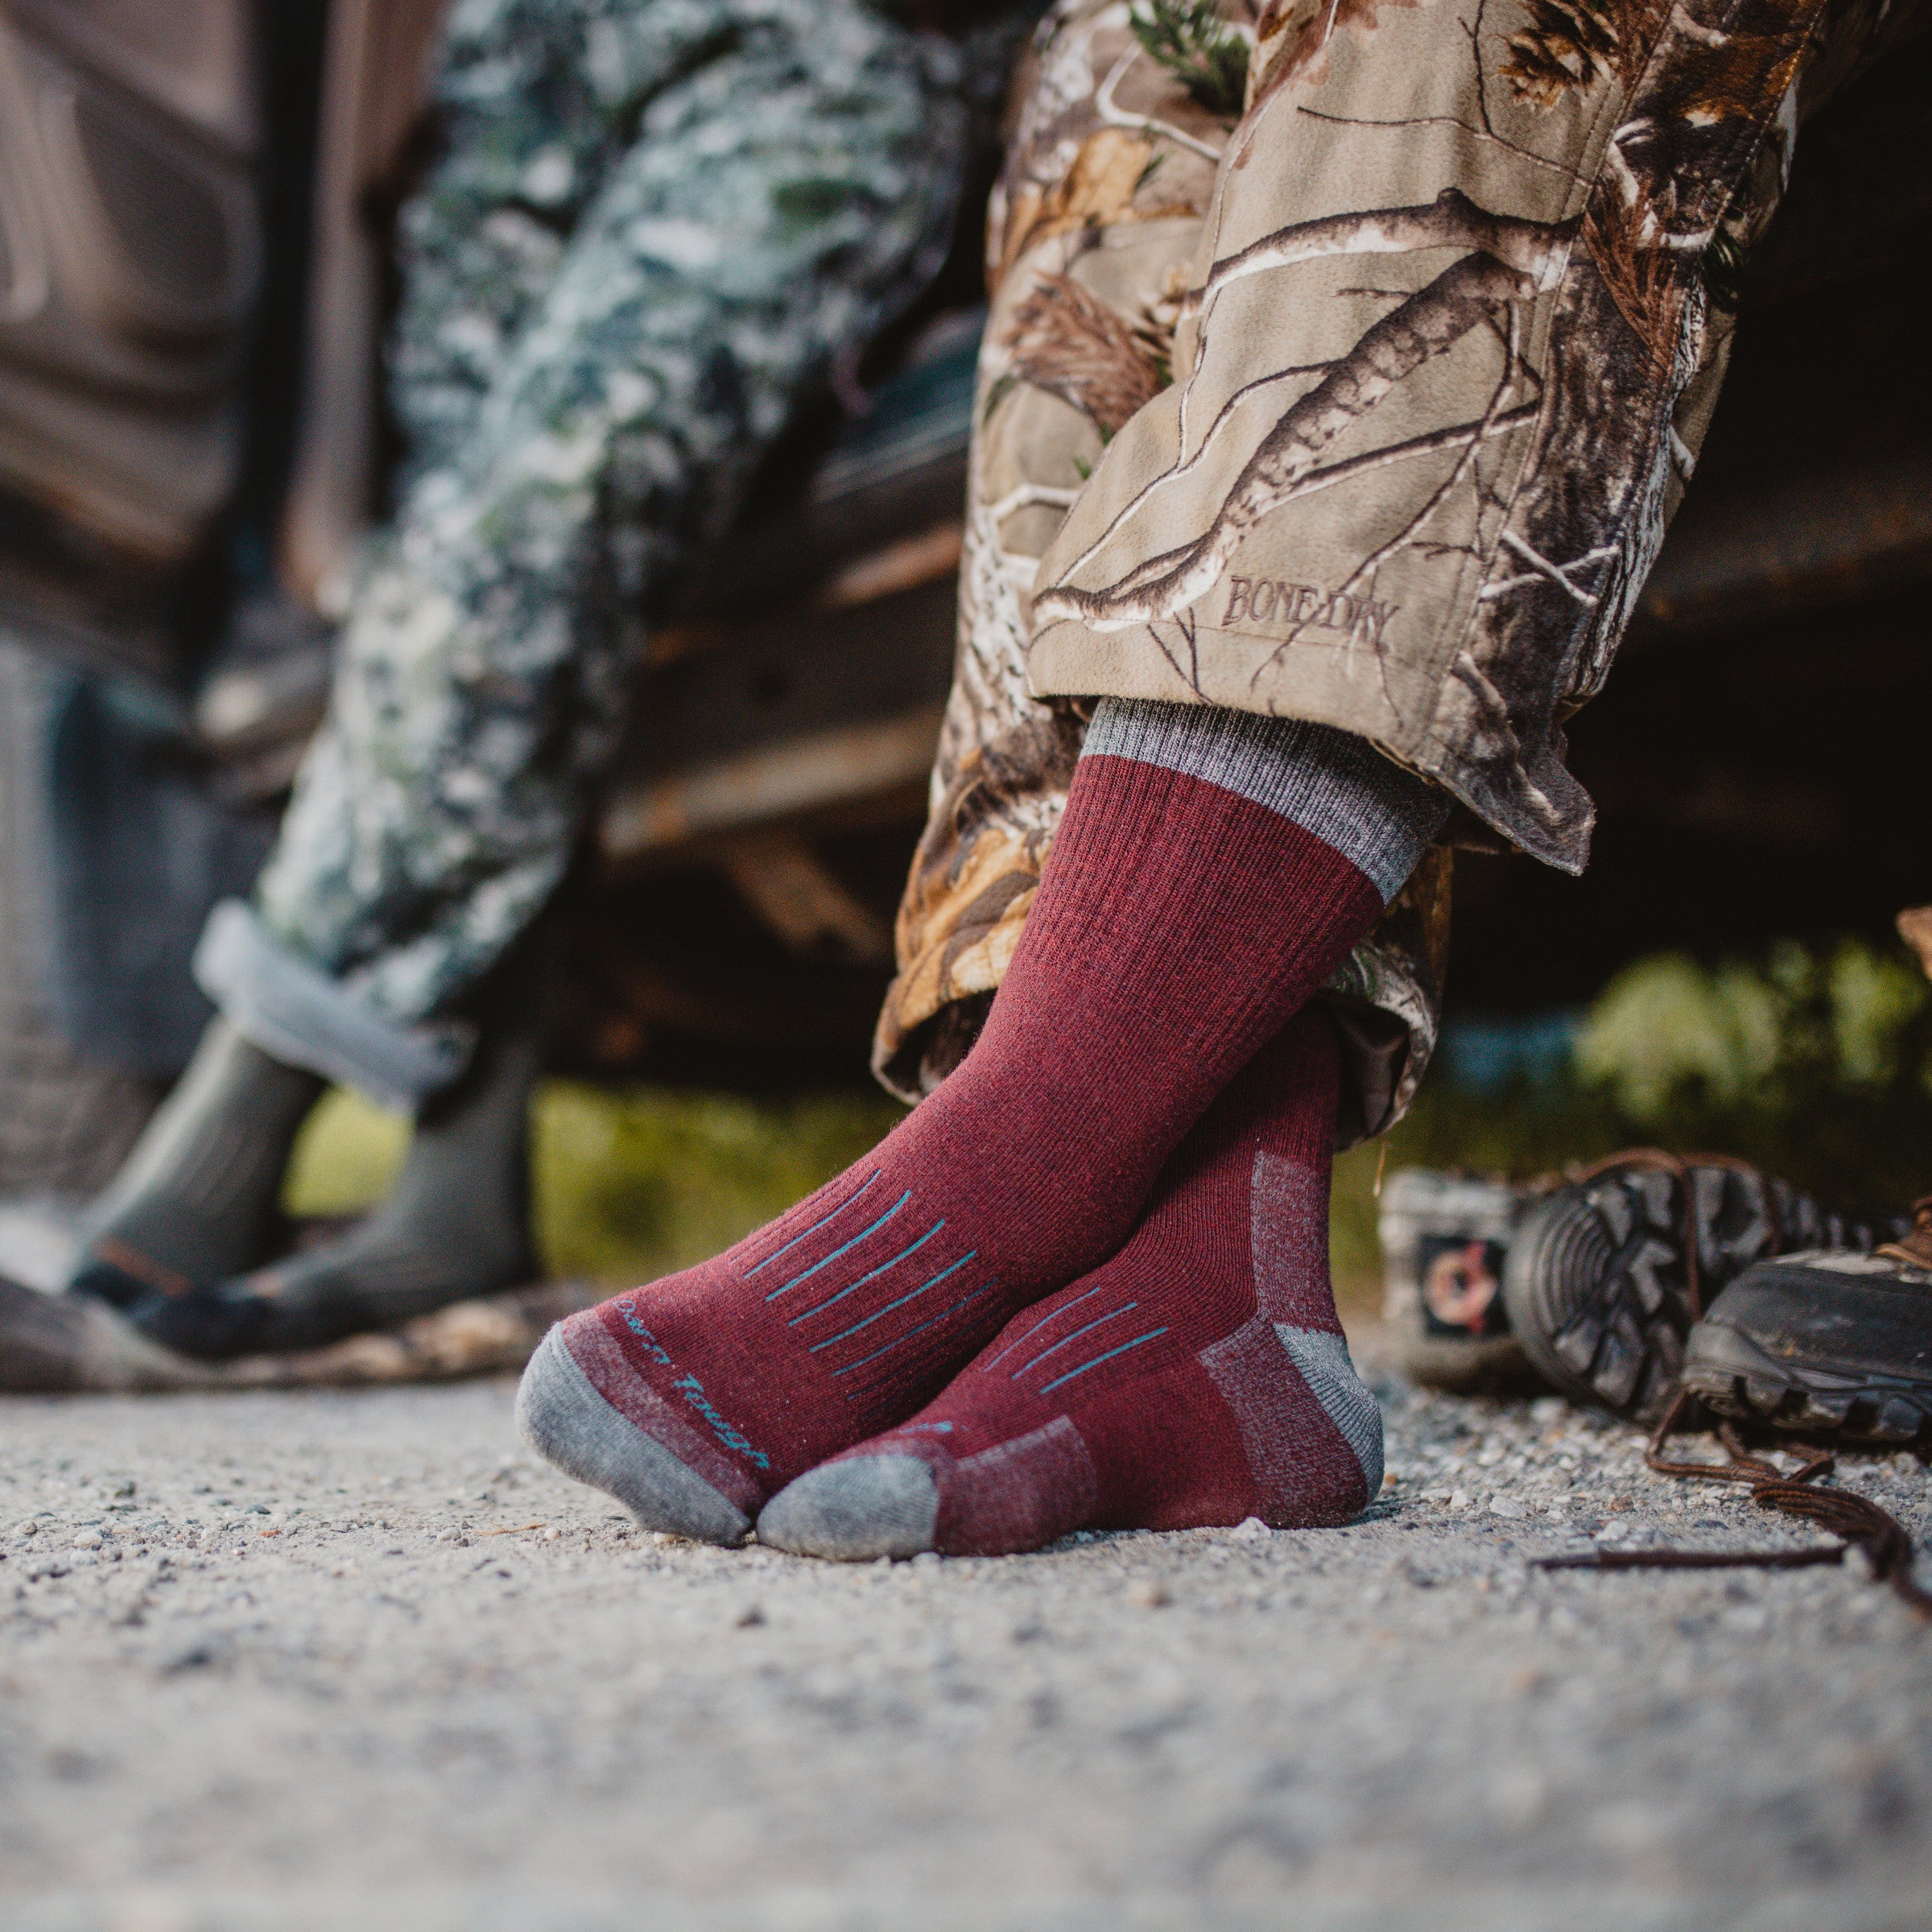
(1915, 1249)
(1915, 929)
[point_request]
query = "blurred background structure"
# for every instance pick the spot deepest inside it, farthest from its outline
(193, 202)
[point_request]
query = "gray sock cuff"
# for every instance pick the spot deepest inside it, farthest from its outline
(1378, 816)
(297, 1012)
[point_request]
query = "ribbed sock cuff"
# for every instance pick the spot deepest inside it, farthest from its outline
(1378, 816)
(297, 1012)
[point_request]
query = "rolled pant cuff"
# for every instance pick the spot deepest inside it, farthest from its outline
(297, 1012)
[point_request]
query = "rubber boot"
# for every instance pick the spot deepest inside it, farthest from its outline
(455, 1226)
(197, 1201)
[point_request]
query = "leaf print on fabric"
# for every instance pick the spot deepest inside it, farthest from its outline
(1713, 72)
(1190, 39)
(1361, 501)
(1097, 191)
(1064, 341)
(1569, 44)
(1639, 268)
(1292, 38)
(1508, 260)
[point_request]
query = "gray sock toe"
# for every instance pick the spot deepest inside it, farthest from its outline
(564, 1419)
(855, 1511)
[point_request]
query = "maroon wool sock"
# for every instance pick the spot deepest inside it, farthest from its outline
(1180, 922)
(1199, 1376)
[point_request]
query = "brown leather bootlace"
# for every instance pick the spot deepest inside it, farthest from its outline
(1915, 1249)
(1859, 1522)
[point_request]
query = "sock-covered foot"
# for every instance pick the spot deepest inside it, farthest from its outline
(197, 1201)
(455, 1226)
(1198, 1377)
(1211, 869)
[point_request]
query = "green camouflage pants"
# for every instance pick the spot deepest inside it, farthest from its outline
(656, 222)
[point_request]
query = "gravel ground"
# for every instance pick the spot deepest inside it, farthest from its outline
(325, 1658)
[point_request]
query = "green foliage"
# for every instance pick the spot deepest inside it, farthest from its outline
(345, 1157)
(631, 1186)
(1667, 1027)
(1814, 1061)
(1191, 41)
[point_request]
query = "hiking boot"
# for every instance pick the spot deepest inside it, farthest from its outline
(1605, 1277)
(1829, 1342)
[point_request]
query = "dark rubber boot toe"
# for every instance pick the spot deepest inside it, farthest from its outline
(212, 1324)
(107, 1280)
(1826, 1343)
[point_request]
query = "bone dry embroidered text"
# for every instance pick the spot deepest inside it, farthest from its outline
(1265, 599)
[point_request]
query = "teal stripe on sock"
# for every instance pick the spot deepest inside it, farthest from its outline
(1042, 1323)
(1125, 1307)
(963, 1302)
(816, 1225)
(1151, 1334)
(883, 1267)
(901, 1303)
(863, 1235)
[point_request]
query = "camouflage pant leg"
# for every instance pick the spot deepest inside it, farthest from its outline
(536, 100)
(1089, 233)
(1097, 214)
(768, 204)
(1101, 244)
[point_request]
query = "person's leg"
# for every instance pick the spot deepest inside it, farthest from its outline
(772, 206)
(1211, 869)
(1443, 579)
(523, 145)
(1199, 1376)
(455, 1225)
(1079, 331)
(197, 1198)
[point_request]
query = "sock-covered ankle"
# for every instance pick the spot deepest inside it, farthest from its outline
(1199, 1377)
(1211, 869)
(198, 1198)
(455, 1226)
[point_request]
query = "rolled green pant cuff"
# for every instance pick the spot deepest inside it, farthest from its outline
(296, 1012)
